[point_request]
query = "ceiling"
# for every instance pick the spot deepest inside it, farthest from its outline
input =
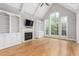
(36, 10)
(31, 8)
(71, 6)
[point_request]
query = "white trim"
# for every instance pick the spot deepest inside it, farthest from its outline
(10, 45)
(67, 27)
(50, 27)
(9, 13)
(9, 23)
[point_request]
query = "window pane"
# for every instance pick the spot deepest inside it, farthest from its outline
(46, 27)
(64, 26)
(54, 24)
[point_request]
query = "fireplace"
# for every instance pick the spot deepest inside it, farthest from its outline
(28, 35)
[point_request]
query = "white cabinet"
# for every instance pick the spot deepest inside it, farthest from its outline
(7, 40)
(13, 39)
(9, 29)
(39, 34)
(2, 41)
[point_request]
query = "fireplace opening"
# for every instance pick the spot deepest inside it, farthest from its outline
(28, 35)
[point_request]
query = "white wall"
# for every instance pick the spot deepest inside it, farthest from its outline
(12, 36)
(65, 12)
(24, 15)
(39, 29)
(10, 39)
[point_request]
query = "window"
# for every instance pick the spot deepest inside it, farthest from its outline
(64, 25)
(47, 27)
(56, 25)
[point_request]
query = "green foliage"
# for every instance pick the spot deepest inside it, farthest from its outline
(54, 26)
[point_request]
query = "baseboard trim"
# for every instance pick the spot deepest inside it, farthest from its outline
(61, 38)
(10, 45)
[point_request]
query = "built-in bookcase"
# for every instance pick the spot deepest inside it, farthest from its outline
(9, 22)
(9, 29)
(4, 23)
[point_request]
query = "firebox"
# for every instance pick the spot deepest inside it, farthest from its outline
(28, 35)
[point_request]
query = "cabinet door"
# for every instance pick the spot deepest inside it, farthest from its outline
(2, 41)
(13, 38)
(8, 40)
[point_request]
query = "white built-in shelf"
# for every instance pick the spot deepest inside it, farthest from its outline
(9, 22)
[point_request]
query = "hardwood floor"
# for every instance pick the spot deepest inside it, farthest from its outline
(43, 47)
